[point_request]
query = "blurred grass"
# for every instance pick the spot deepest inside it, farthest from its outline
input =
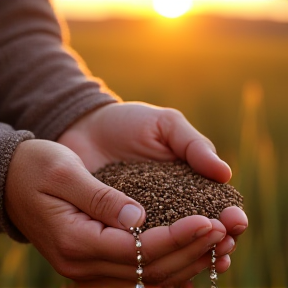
(230, 79)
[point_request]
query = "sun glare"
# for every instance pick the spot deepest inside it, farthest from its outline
(172, 8)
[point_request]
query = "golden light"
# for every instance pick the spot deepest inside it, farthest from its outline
(105, 9)
(172, 8)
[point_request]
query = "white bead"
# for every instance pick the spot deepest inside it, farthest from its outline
(139, 271)
(213, 276)
(140, 285)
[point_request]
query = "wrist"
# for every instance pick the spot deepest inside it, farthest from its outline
(10, 141)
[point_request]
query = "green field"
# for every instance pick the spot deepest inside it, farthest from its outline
(230, 79)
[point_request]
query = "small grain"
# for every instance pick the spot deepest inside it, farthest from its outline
(169, 191)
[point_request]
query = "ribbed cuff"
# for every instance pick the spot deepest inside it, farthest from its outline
(9, 141)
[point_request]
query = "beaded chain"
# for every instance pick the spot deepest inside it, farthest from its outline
(139, 271)
(213, 273)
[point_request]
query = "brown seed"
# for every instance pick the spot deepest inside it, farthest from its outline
(169, 191)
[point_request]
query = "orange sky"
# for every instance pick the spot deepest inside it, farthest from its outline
(98, 9)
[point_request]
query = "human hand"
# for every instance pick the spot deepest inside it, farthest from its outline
(136, 131)
(191, 252)
(58, 205)
(183, 250)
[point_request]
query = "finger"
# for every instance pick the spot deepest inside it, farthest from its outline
(191, 146)
(178, 279)
(195, 268)
(235, 220)
(74, 184)
(156, 242)
(119, 246)
(222, 265)
(178, 260)
(160, 241)
(90, 270)
(226, 246)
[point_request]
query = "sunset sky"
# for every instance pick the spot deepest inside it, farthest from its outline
(99, 9)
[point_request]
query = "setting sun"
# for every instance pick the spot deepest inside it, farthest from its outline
(172, 8)
(104, 9)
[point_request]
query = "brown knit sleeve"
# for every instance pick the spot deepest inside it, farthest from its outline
(44, 85)
(9, 140)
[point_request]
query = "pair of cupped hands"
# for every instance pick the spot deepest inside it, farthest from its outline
(80, 225)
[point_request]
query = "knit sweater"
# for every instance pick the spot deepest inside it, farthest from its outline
(44, 87)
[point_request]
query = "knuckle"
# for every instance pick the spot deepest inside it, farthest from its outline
(170, 118)
(172, 113)
(175, 244)
(103, 201)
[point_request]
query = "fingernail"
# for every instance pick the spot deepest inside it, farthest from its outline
(238, 229)
(232, 246)
(129, 216)
(202, 231)
(216, 236)
(233, 249)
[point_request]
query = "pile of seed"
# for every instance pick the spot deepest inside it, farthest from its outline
(169, 191)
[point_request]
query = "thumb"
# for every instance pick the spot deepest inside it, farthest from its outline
(99, 201)
(190, 145)
(113, 207)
